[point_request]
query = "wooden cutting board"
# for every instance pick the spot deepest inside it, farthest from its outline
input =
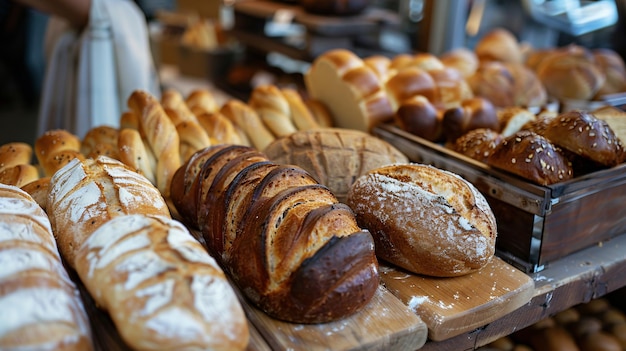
(452, 306)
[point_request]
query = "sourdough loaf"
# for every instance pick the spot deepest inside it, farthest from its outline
(289, 245)
(41, 307)
(425, 220)
(334, 157)
(160, 287)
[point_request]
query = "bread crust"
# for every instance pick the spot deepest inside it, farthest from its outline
(424, 219)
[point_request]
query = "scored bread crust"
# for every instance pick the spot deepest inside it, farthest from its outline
(40, 304)
(426, 220)
(334, 157)
(292, 249)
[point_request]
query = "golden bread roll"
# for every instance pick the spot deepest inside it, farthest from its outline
(508, 84)
(616, 119)
(158, 284)
(478, 144)
(100, 140)
(583, 134)
(472, 114)
(15, 153)
(418, 116)
(452, 88)
(532, 157)
(334, 157)
(499, 44)
(422, 60)
(19, 175)
(161, 135)
(201, 100)
(425, 220)
(51, 144)
(41, 306)
(129, 120)
(291, 248)
(172, 100)
(614, 69)
(350, 90)
(462, 59)
(571, 72)
(380, 64)
(320, 113)
(410, 82)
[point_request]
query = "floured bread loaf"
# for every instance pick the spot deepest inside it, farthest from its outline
(350, 89)
(425, 220)
(41, 307)
(335, 157)
(158, 284)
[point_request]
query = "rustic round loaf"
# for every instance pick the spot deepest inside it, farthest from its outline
(335, 157)
(424, 219)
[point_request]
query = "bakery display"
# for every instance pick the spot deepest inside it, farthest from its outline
(291, 248)
(424, 219)
(158, 284)
(41, 306)
(334, 157)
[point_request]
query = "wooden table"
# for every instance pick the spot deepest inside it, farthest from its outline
(577, 278)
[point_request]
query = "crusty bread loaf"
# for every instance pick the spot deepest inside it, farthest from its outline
(532, 157)
(583, 134)
(38, 190)
(160, 287)
(41, 307)
(292, 249)
(478, 144)
(335, 157)
(349, 89)
(499, 44)
(426, 220)
(15, 153)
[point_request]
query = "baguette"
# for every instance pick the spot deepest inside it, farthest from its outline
(425, 220)
(292, 249)
(41, 307)
(160, 287)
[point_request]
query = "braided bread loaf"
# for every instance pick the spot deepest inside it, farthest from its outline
(292, 249)
(159, 285)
